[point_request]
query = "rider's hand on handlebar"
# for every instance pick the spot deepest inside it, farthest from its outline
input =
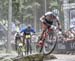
(53, 27)
(60, 29)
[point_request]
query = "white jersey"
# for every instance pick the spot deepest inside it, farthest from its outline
(54, 21)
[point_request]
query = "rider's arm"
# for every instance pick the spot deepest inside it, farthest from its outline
(58, 22)
(32, 30)
(23, 30)
(42, 18)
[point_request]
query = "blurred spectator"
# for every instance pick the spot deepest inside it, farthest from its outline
(69, 36)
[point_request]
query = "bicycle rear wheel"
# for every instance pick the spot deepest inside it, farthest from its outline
(50, 44)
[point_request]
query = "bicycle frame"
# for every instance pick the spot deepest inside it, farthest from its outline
(43, 45)
(44, 36)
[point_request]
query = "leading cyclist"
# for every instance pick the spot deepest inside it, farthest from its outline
(49, 19)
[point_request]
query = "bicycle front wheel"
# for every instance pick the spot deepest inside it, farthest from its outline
(49, 44)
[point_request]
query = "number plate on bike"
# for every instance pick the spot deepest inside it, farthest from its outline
(20, 44)
(28, 36)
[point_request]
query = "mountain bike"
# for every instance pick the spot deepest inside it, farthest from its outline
(19, 45)
(47, 43)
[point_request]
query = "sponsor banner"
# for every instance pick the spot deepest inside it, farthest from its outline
(72, 18)
(65, 46)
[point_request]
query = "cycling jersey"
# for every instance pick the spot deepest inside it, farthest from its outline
(28, 31)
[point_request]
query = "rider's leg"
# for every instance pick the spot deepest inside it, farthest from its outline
(41, 38)
(27, 42)
(30, 46)
(44, 27)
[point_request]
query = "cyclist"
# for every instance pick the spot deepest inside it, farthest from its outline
(48, 20)
(27, 31)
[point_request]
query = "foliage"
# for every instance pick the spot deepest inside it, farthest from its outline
(24, 10)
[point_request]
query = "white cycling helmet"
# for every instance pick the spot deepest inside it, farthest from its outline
(50, 13)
